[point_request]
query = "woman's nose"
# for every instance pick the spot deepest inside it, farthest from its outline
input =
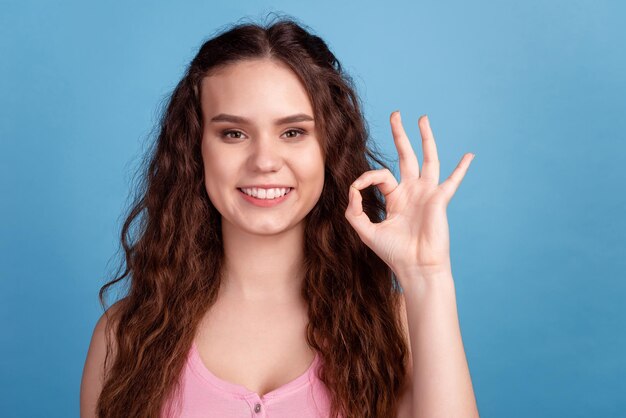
(266, 154)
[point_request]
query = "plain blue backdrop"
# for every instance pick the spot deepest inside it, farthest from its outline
(536, 89)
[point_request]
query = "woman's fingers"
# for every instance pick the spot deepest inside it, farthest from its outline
(430, 165)
(386, 183)
(358, 218)
(452, 183)
(409, 165)
(383, 179)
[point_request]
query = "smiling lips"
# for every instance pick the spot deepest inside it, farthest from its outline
(263, 199)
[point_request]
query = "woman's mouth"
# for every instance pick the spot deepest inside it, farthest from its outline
(265, 199)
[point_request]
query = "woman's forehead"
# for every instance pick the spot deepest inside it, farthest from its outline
(250, 89)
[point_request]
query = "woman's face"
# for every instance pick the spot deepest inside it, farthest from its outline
(259, 133)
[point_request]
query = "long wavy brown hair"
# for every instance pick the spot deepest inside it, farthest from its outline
(173, 245)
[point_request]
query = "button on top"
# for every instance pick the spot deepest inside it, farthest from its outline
(257, 408)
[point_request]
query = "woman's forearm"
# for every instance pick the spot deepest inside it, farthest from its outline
(442, 385)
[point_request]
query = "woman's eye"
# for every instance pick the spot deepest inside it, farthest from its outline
(297, 131)
(226, 134)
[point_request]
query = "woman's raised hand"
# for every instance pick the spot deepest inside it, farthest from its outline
(414, 238)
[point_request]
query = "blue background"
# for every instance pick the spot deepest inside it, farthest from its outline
(536, 89)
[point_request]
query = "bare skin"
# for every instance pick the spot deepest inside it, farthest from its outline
(259, 346)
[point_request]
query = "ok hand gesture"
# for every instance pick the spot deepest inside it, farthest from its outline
(414, 237)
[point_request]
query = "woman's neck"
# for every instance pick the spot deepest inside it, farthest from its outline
(264, 268)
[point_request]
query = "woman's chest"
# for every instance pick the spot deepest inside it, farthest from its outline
(261, 350)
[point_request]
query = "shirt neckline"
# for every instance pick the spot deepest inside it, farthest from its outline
(241, 390)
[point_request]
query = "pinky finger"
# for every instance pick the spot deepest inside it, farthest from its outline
(450, 186)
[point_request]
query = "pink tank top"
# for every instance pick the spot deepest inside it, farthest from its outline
(207, 396)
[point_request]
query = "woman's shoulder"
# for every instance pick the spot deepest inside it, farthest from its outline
(99, 331)
(93, 371)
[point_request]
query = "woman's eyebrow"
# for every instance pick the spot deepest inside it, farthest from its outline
(299, 117)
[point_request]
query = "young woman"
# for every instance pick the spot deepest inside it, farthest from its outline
(267, 278)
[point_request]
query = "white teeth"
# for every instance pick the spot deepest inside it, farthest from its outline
(267, 194)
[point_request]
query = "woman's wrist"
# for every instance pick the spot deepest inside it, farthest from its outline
(423, 280)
